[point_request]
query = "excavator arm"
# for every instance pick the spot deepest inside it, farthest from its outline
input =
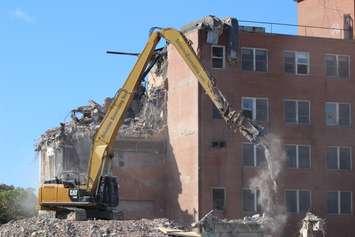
(107, 132)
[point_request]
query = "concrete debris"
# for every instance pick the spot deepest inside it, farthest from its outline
(215, 27)
(149, 116)
(89, 114)
(211, 225)
(311, 224)
(37, 226)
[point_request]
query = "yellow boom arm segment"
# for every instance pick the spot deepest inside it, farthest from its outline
(107, 132)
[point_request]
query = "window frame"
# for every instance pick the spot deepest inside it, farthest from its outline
(297, 156)
(339, 213)
(297, 115)
(295, 52)
(216, 57)
(254, 59)
(298, 199)
(337, 77)
(255, 194)
(255, 157)
(337, 114)
(224, 200)
(254, 107)
(338, 158)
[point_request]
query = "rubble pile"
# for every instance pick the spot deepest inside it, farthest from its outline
(84, 121)
(37, 226)
(148, 112)
(311, 224)
(249, 226)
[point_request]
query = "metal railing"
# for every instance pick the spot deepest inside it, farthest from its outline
(304, 30)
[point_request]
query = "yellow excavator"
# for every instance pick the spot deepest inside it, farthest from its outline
(98, 197)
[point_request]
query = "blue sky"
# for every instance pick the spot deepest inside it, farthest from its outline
(52, 59)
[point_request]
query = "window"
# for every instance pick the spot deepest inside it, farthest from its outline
(254, 60)
(337, 66)
(297, 111)
(298, 201)
(251, 200)
(217, 56)
(215, 113)
(255, 108)
(218, 144)
(253, 155)
(296, 62)
(339, 202)
(298, 156)
(339, 158)
(218, 197)
(338, 114)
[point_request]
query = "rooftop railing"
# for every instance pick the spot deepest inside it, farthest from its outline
(303, 30)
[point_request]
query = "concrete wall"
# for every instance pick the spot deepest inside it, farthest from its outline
(139, 166)
(324, 13)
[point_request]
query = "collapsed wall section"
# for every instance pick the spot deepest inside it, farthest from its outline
(64, 151)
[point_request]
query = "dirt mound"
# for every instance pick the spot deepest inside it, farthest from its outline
(39, 226)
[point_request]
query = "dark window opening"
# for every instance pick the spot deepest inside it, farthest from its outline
(339, 158)
(217, 57)
(331, 65)
(289, 62)
(298, 201)
(260, 60)
(339, 202)
(344, 115)
(304, 161)
(291, 156)
(248, 154)
(254, 59)
(304, 201)
(218, 144)
(247, 59)
(332, 202)
(337, 66)
(253, 155)
(291, 201)
(218, 197)
(332, 158)
(290, 111)
(297, 111)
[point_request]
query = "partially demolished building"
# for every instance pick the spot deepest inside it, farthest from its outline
(175, 157)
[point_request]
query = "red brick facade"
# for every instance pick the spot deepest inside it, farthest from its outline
(192, 128)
